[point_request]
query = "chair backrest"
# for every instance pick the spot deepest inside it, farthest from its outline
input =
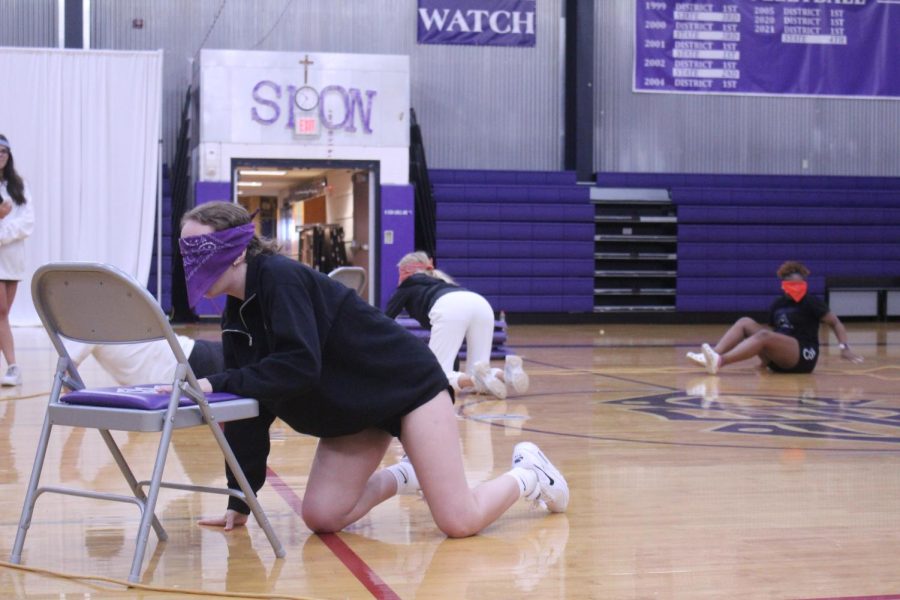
(98, 304)
(353, 277)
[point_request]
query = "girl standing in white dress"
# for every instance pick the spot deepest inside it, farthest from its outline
(16, 224)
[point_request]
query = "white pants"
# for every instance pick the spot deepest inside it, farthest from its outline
(459, 316)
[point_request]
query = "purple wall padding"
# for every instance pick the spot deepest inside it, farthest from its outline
(208, 191)
(397, 234)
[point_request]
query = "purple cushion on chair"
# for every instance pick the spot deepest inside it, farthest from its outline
(138, 397)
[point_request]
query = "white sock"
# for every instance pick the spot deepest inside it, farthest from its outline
(527, 480)
(407, 482)
(453, 379)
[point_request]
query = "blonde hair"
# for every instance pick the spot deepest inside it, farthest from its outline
(421, 258)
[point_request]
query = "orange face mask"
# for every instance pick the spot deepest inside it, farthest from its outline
(794, 289)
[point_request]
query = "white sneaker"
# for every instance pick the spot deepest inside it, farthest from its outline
(488, 383)
(698, 358)
(712, 358)
(407, 482)
(515, 375)
(13, 376)
(553, 486)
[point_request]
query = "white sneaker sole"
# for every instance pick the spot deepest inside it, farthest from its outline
(515, 375)
(488, 382)
(553, 486)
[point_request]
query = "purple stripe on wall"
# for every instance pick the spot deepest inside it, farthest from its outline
(397, 234)
(208, 191)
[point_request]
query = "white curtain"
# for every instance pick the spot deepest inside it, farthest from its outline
(84, 128)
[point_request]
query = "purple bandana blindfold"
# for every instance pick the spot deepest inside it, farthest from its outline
(206, 257)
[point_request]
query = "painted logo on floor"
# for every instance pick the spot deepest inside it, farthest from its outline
(805, 417)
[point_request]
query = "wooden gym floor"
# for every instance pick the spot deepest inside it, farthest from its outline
(745, 485)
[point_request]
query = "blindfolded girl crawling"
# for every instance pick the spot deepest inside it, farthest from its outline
(329, 365)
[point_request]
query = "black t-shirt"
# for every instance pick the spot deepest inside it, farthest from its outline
(798, 319)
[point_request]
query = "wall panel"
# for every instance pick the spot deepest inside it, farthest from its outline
(682, 133)
(479, 107)
(29, 23)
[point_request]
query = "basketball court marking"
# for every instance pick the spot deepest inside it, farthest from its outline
(888, 597)
(559, 370)
(350, 559)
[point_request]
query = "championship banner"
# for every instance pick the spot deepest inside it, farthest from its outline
(839, 48)
(477, 22)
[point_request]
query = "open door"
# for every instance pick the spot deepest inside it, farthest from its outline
(320, 212)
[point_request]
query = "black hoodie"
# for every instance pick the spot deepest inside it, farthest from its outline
(417, 294)
(318, 357)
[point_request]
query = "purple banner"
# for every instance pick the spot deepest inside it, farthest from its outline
(477, 22)
(772, 47)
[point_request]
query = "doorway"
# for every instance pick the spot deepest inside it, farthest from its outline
(323, 213)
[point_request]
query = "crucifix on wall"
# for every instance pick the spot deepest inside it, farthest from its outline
(307, 97)
(306, 62)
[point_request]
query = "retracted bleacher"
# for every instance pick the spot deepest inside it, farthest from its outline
(523, 240)
(735, 230)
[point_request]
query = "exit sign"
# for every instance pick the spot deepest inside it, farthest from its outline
(306, 126)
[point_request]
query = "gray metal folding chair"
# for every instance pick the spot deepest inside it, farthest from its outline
(99, 304)
(353, 277)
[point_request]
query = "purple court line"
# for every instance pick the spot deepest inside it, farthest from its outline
(595, 346)
(350, 559)
(606, 438)
(888, 597)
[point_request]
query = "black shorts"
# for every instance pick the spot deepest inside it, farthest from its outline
(809, 356)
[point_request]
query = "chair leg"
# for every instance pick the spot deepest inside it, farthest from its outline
(30, 496)
(132, 481)
(249, 497)
(149, 513)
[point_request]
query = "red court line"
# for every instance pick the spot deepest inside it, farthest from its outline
(366, 576)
